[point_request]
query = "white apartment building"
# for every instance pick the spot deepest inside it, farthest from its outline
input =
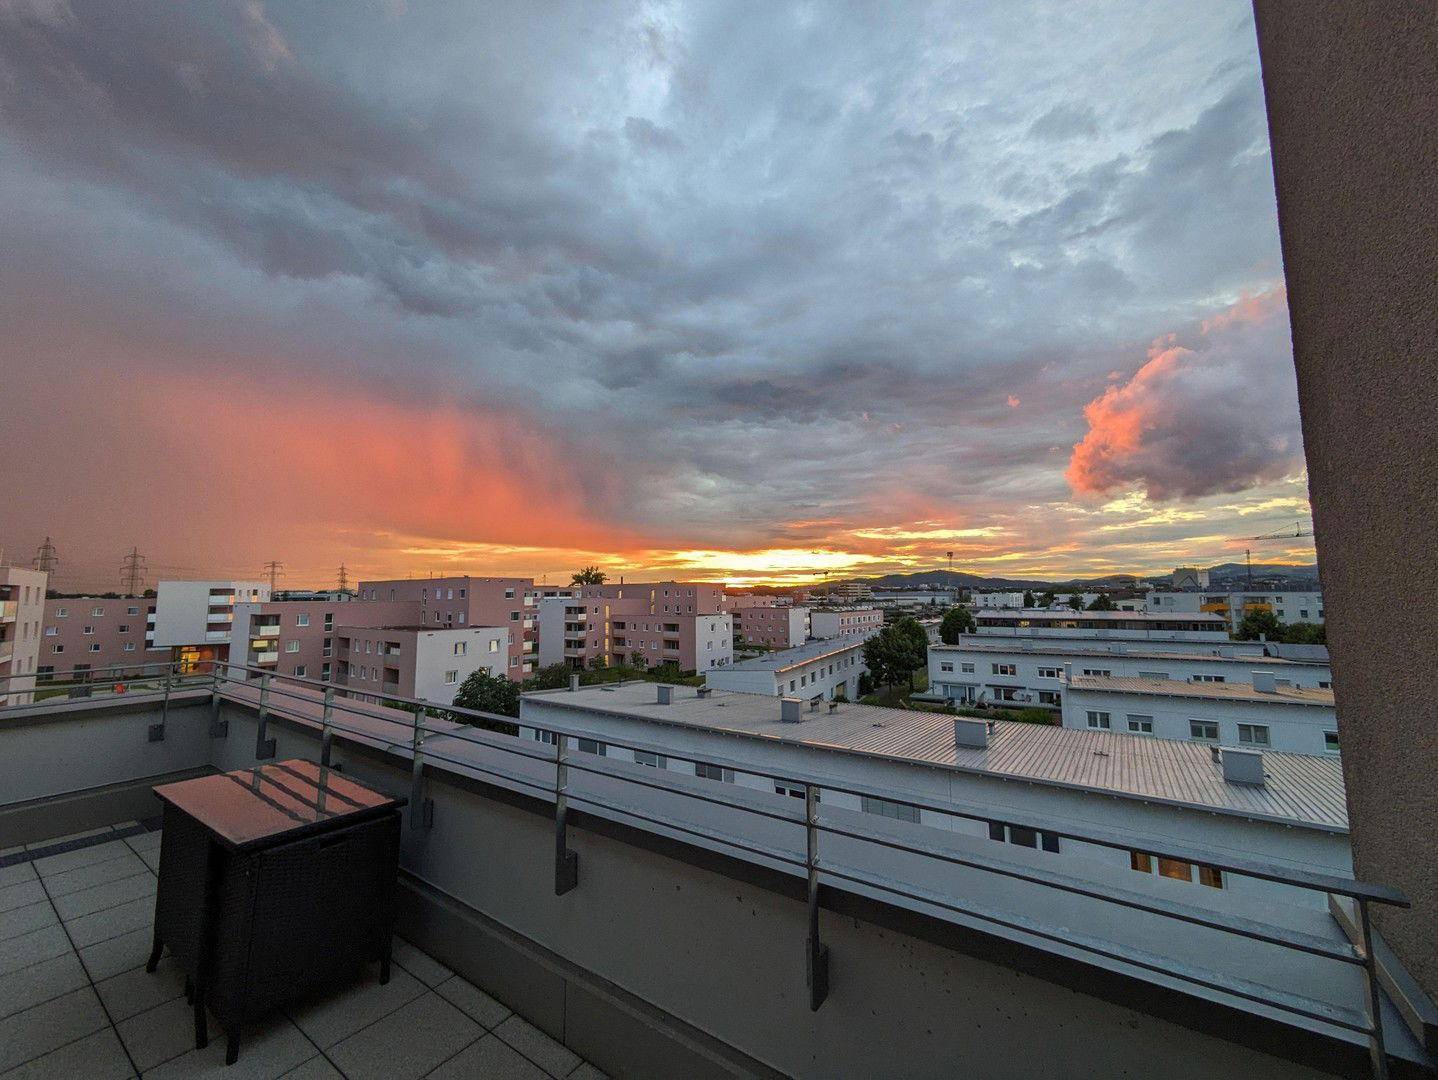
(1104, 625)
(195, 618)
(1027, 672)
(1288, 607)
(830, 623)
(1268, 712)
(816, 671)
(22, 614)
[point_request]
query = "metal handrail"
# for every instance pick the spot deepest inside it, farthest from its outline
(417, 732)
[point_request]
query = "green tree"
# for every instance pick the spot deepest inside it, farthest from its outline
(897, 651)
(1305, 633)
(1028, 599)
(956, 621)
(1047, 599)
(1076, 602)
(1257, 623)
(484, 692)
(1101, 602)
(552, 677)
(590, 575)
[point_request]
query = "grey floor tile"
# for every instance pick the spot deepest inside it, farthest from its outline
(12, 850)
(112, 922)
(420, 964)
(339, 1015)
(95, 1057)
(473, 1001)
(47, 1027)
(489, 1059)
(21, 952)
(316, 1068)
(553, 1057)
(270, 1050)
(26, 920)
(40, 982)
(156, 1035)
(119, 954)
(587, 1071)
(151, 859)
(69, 860)
(21, 895)
(149, 841)
(109, 895)
(127, 864)
(133, 992)
(38, 844)
(406, 1044)
(14, 875)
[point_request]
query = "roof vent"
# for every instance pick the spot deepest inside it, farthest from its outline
(970, 734)
(705, 691)
(1265, 682)
(666, 694)
(791, 710)
(573, 682)
(1242, 766)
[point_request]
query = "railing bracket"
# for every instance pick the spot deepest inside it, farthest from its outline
(157, 733)
(219, 729)
(264, 745)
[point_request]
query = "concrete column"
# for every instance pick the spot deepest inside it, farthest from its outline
(1351, 106)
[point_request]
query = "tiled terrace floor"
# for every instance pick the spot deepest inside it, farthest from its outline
(75, 1000)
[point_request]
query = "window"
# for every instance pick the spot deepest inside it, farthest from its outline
(132, 611)
(713, 772)
(1140, 725)
(1050, 697)
(52, 631)
(1102, 672)
(300, 670)
(1156, 676)
(123, 628)
(1330, 741)
(451, 677)
(97, 611)
(1253, 734)
(325, 672)
(967, 669)
(494, 645)
(62, 613)
(895, 810)
(794, 791)
(1203, 729)
(592, 746)
(945, 666)
(292, 646)
(1023, 836)
(95, 646)
(1210, 678)
(57, 648)
(654, 761)
(1100, 720)
(1175, 869)
(546, 737)
(461, 648)
(129, 646)
(1005, 669)
(1049, 673)
(302, 620)
(89, 630)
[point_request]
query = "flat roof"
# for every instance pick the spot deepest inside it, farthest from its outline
(1300, 789)
(1095, 647)
(1050, 615)
(784, 659)
(1225, 691)
(420, 628)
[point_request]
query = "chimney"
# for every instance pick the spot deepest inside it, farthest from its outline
(1068, 672)
(1265, 682)
(971, 734)
(666, 694)
(573, 682)
(791, 710)
(1242, 766)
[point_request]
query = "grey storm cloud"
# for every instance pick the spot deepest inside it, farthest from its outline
(812, 231)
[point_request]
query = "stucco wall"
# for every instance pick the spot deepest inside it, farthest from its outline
(1351, 101)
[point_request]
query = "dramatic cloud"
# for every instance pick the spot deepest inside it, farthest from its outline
(649, 285)
(1216, 414)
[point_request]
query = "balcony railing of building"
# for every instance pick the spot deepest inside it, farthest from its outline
(490, 746)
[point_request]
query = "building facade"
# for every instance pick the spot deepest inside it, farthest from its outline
(1287, 607)
(816, 671)
(22, 617)
(1111, 625)
(473, 601)
(845, 622)
(768, 621)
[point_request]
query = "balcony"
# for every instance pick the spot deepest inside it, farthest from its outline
(217, 635)
(575, 947)
(9, 610)
(267, 630)
(271, 657)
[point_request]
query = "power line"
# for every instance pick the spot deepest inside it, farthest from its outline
(344, 581)
(46, 557)
(274, 570)
(133, 572)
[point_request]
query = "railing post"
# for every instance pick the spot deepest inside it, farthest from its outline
(264, 745)
(219, 729)
(421, 810)
(818, 952)
(1377, 1055)
(157, 731)
(327, 735)
(566, 862)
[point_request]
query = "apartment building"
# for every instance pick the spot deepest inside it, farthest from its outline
(1288, 607)
(698, 643)
(831, 623)
(1196, 627)
(417, 661)
(298, 637)
(647, 623)
(1268, 712)
(22, 616)
(819, 670)
(1026, 672)
(770, 621)
(473, 601)
(98, 633)
(193, 620)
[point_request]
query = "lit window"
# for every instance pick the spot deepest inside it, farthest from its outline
(1175, 869)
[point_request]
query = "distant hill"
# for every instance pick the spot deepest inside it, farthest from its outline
(1225, 574)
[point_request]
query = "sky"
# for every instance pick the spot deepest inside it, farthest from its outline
(754, 293)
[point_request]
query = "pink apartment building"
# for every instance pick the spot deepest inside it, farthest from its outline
(22, 614)
(769, 620)
(473, 601)
(647, 622)
(845, 622)
(98, 634)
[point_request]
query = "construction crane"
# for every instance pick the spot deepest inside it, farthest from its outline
(1298, 532)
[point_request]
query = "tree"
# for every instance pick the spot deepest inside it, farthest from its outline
(956, 621)
(1305, 633)
(1047, 599)
(1257, 623)
(590, 575)
(552, 677)
(914, 653)
(897, 651)
(1028, 599)
(1101, 602)
(484, 692)
(1076, 602)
